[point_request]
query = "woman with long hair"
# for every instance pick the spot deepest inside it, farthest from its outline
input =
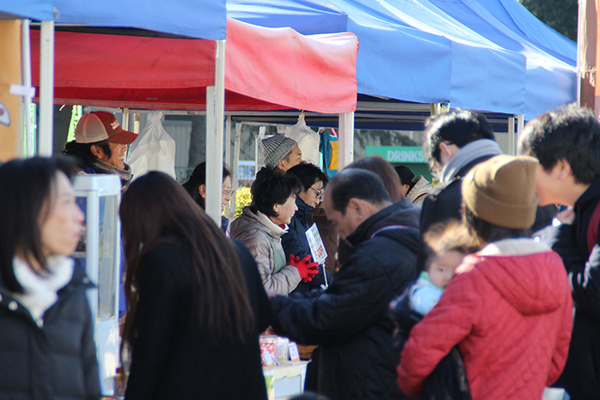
(47, 348)
(195, 302)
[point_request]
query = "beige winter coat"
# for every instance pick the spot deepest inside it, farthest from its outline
(262, 237)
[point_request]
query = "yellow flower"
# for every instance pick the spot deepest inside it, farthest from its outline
(243, 198)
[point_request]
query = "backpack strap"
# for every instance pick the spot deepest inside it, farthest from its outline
(592, 231)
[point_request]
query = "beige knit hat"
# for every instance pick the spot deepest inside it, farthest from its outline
(501, 191)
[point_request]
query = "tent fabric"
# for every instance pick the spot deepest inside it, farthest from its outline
(206, 19)
(173, 73)
(550, 74)
(41, 10)
(296, 71)
(307, 17)
(451, 51)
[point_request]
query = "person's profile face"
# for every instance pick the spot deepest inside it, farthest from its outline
(313, 194)
(442, 267)
(346, 222)
(61, 228)
(117, 157)
(292, 159)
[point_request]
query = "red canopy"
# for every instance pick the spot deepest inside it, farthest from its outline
(265, 69)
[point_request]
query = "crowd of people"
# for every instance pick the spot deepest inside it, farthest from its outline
(463, 290)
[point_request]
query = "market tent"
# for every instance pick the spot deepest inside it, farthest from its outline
(205, 19)
(315, 73)
(469, 68)
(32, 9)
(551, 58)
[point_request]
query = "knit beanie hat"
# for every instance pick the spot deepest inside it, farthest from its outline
(276, 148)
(501, 191)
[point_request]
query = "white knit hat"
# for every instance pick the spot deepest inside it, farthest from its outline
(276, 148)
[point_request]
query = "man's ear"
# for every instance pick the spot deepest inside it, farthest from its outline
(563, 169)
(357, 207)
(448, 149)
(202, 191)
(97, 151)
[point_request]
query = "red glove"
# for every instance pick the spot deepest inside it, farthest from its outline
(305, 267)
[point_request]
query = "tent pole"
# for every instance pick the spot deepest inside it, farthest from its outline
(125, 124)
(228, 157)
(26, 103)
(234, 168)
(520, 127)
(346, 146)
(46, 88)
(511, 135)
(228, 140)
(215, 110)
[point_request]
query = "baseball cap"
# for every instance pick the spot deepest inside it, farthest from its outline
(101, 125)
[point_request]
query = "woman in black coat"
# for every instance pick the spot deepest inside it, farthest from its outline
(195, 301)
(47, 349)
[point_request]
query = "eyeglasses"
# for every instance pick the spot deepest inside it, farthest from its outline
(318, 192)
(227, 193)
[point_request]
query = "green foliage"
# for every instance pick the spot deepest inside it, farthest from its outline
(561, 15)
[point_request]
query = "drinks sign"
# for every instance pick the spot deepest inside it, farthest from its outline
(395, 154)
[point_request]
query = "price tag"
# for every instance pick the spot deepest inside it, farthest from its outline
(294, 354)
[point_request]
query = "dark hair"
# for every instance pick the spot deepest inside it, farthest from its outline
(272, 187)
(385, 171)
(450, 235)
(308, 174)
(487, 232)
(27, 188)
(83, 151)
(571, 133)
(354, 183)
(156, 211)
(459, 127)
(405, 174)
(197, 179)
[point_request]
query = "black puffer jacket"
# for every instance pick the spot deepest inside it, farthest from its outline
(581, 376)
(349, 320)
(56, 361)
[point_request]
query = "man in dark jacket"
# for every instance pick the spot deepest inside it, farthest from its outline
(349, 320)
(454, 142)
(567, 144)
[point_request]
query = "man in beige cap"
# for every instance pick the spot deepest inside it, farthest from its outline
(101, 144)
(508, 308)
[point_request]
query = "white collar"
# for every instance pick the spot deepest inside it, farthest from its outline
(270, 224)
(40, 290)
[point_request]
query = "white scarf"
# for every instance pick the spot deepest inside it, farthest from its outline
(470, 152)
(40, 290)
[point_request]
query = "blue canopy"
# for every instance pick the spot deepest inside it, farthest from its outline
(204, 19)
(441, 51)
(41, 10)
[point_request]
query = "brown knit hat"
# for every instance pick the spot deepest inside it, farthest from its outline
(501, 191)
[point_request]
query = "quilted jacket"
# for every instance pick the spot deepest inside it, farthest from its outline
(264, 243)
(349, 320)
(509, 309)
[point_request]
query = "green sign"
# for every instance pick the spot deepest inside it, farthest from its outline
(395, 154)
